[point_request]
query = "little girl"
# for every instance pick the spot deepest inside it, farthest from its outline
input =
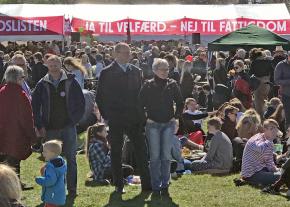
(98, 154)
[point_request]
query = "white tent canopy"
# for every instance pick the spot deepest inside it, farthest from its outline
(153, 12)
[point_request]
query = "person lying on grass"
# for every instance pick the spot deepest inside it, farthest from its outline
(98, 154)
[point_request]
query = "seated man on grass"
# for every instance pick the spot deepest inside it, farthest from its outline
(220, 154)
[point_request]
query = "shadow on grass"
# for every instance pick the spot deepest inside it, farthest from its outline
(140, 200)
(69, 203)
(92, 183)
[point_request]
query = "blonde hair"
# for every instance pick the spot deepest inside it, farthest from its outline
(270, 123)
(92, 133)
(17, 57)
(249, 124)
(54, 146)
(75, 64)
(275, 102)
(54, 58)
(10, 184)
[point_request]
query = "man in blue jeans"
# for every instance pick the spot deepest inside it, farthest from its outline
(282, 78)
(58, 104)
(258, 165)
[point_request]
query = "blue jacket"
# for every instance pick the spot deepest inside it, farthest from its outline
(41, 100)
(53, 182)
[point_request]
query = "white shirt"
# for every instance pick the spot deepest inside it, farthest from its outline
(195, 113)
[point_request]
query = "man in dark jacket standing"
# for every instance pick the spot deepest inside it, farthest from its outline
(39, 70)
(58, 104)
(282, 78)
(117, 99)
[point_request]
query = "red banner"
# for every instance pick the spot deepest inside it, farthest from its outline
(31, 26)
(183, 26)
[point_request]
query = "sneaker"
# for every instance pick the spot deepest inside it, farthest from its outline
(271, 190)
(120, 190)
(165, 192)
(25, 187)
(155, 195)
(239, 182)
(103, 182)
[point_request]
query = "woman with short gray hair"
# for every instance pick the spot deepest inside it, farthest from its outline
(14, 74)
(157, 97)
(16, 120)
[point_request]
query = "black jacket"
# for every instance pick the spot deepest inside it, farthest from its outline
(220, 76)
(117, 94)
(38, 71)
(158, 97)
(186, 124)
(261, 67)
(174, 75)
(186, 85)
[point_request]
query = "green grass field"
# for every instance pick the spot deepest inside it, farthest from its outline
(188, 191)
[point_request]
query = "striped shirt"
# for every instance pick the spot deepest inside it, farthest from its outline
(258, 154)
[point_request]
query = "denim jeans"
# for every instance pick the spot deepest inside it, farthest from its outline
(68, 136)
(264, 177)
(159, 139)
(286, 103)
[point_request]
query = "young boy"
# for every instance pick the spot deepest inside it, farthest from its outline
(53, 173)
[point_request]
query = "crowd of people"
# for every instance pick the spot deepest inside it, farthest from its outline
(151, 101)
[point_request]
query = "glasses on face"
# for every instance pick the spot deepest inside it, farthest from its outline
(163, 70)
(236, 67)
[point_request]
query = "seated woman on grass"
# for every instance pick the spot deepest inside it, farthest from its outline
(98, 153)
(220, 153)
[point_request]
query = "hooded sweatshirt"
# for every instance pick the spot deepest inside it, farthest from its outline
(53, 182)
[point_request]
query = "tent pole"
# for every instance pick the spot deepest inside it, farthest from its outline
(63, 39)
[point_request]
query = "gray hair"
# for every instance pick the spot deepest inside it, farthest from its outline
(267, 53)
(241, 53)
(13, 73)
(158, 63)
(119, 46)
(17, 57)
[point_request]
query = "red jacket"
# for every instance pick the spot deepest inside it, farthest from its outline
(244, 92)
(16, 122)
